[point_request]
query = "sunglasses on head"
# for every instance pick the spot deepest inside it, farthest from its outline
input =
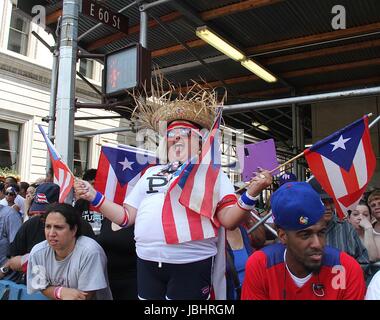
(183, 132)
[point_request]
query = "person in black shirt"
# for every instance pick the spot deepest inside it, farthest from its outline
(119, 246)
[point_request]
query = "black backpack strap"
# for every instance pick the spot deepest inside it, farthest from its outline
(235, 276)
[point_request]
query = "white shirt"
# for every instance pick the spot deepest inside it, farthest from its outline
(373, 290)
(148, 198)
(19, 201)
(298, 281)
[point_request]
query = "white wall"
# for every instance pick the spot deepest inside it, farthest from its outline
(25, 99)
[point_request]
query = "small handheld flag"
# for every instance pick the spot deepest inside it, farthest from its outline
(62, 174)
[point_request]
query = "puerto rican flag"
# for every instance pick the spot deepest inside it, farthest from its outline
(344, 163)
(62, 174)
(119, 169)
(191, 200)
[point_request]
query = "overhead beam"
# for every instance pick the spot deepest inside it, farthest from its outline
(342, 84)
(179, 47)
(270, 61)
(132, 30)
(314, 38)
(315, 88)
(205, 15)
(331, 68)
(235, 8)
(278, 45)
(322, 52)
(303, 72)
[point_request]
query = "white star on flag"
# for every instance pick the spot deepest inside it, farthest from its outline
(126, 164)
(340, 143)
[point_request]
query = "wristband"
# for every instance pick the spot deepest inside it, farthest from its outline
(57, 293)
(247, 202)
(98, 201)
(126, 219)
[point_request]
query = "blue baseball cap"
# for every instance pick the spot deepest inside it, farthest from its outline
(296, 206)
(46, 193)
(287, 177)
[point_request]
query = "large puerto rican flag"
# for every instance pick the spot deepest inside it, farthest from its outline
(119, 169)
(344, 163)
(191, 200)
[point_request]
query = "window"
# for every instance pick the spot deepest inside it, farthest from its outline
(18, 33)
(9, 140)
(86, 67)
(80, 156)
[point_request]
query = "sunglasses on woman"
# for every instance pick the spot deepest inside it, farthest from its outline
(183, 132)
(10, 194)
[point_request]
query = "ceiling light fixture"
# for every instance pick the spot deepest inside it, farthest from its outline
(213, 39)
(260, 126)
(258, 70)
(219, 43)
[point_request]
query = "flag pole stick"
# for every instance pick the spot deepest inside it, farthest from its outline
(273, 170)
(289, 161)
(301, 154)
(374, 121)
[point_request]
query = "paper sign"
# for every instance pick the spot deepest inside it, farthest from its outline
(261, 154)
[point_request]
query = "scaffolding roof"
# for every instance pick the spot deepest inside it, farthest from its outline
(295, 40)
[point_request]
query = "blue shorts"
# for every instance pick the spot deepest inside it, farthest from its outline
(160, 281)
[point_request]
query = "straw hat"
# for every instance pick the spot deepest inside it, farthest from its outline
(198, 104)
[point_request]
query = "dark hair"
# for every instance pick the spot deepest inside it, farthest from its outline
(24, 185)
(71, 215)
(361, 203)
(15, 186)
(364, 203)
(2, 186)
(89, 174)
(12, 178)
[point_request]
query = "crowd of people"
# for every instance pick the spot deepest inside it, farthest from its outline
(153, 247)
(56, 249)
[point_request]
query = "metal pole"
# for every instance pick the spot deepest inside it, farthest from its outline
(144, 28)
(265, 225)
(294, 135)
(53, 97)
(236, 108)
(299, 133)
(147, 6)
(259, 223)
(96, 132)
(98, 118)
(374, 122)
(302, 175)
(64, 141)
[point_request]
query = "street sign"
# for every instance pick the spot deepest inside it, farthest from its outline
(105, 15)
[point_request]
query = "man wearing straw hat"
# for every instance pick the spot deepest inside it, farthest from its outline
(175, 246)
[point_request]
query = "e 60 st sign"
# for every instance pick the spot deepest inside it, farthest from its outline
(105, 15)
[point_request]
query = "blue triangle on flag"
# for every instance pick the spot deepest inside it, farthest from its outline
(341, 147)
(124, 164)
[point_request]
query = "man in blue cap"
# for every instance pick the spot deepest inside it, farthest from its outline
(301, 267)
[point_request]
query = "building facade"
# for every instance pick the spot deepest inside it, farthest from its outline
(25, 86)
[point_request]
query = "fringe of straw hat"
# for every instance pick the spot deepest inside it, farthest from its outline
(167, 103)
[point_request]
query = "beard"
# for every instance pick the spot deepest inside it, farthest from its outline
(312, 268)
